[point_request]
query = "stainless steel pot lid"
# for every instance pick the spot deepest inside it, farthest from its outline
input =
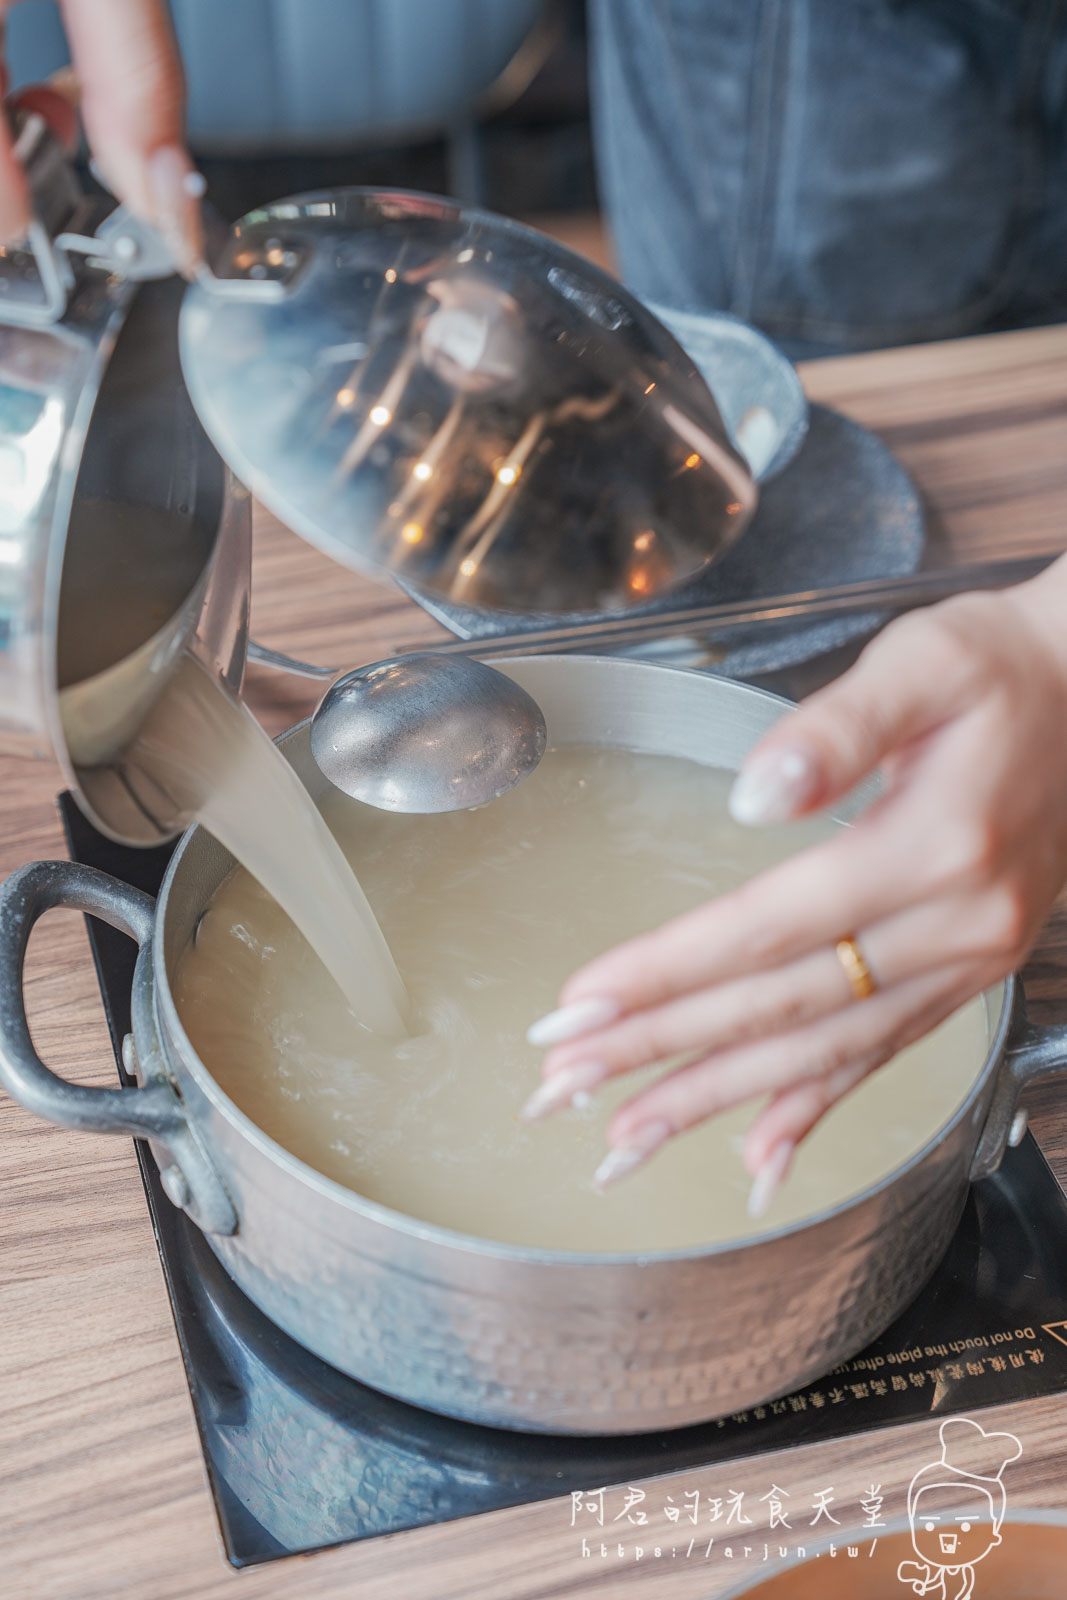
(445, 395)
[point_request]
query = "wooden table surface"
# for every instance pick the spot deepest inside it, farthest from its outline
(102, 1487)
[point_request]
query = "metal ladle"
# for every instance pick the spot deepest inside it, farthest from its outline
(427, 733)
(439, 730)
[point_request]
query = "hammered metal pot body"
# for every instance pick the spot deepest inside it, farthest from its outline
(545, 1340)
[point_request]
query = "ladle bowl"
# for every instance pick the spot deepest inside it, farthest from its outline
(427, 733)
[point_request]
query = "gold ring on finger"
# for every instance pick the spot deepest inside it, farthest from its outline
(859, 975)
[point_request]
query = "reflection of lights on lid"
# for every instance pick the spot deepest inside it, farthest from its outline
(411, 533)
(276, 256)
(390, 274)
(508, 473)
(422, 470)
(651, 386)
(733, 508)
(244, 259)
(693, 460)
(639, 581)
(465, 255)
(645, 541)
(468, 566)
(380, 416)
(345, 397)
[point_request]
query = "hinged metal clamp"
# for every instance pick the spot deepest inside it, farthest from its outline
(38, 277)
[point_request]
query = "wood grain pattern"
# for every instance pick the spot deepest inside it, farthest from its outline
(102, 1489)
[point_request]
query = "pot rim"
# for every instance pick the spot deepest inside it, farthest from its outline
(437, 1235)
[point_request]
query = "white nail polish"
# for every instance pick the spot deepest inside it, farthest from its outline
(772, 787)
(563, 1088)
(626, 1158)
(550, 1096)
(570, 1022)
(769, 1178)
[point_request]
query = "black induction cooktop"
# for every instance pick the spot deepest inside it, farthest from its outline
(300, 1456)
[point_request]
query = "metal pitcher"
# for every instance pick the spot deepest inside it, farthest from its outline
(123, 536)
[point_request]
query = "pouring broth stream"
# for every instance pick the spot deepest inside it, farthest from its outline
(204, 748)
(487, 912)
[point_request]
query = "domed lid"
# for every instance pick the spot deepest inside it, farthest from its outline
(444, 395)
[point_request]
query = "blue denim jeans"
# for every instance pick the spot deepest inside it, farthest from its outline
(843, 173)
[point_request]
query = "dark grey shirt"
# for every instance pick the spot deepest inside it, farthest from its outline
(843, 173)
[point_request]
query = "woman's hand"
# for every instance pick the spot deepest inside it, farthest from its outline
(132, 96)
(945, 881)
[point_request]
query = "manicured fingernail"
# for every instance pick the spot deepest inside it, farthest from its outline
(769, 1178)
(176, 188)
(570, 1022)
(773, 787)
(563, 1088)
(626, 1158)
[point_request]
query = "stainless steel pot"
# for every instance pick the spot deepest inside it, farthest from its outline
(495, 1333)
(123, 536)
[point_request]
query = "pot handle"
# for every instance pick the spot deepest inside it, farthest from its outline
(152, 1111)
(1033, 1055)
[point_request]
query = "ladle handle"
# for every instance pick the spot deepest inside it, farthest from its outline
(707, 621)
